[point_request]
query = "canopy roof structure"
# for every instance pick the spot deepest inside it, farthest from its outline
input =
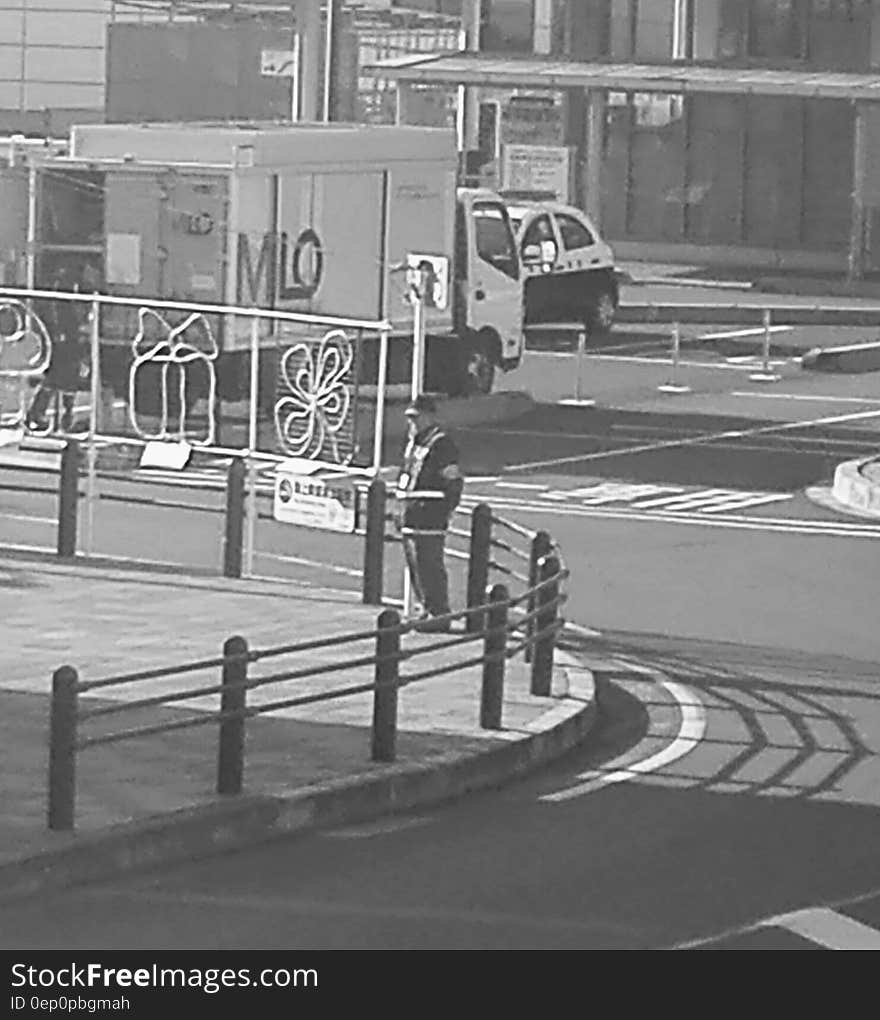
(543, 73)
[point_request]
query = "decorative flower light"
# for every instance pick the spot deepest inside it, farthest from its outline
(185, 344)
(313, 412)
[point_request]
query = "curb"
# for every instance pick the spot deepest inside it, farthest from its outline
(852, 489)
(810, 286)
(850, 358)
(221, 826)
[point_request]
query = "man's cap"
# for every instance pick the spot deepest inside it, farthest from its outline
(422, 403)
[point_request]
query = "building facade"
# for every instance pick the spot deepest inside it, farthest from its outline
(755, 177)
(52, 71)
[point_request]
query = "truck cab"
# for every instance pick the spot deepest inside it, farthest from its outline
(487, 301)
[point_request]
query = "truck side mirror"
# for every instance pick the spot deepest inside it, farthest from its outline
(548, 254)
(531, 255)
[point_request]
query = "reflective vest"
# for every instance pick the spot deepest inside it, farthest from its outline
(421, 495)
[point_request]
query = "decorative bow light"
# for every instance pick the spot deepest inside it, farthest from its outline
(313, 412)
(158, 342)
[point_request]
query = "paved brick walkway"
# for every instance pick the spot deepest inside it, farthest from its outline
(105, 621)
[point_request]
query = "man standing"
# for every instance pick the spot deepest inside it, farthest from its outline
(429, 488)
(62, 377)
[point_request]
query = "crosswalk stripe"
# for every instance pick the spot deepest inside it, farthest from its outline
(748, 499)
(828, 928)
(702, 496)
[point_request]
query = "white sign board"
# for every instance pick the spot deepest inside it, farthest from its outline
(123, 259)
(303, 497)
(536, 168)
(433, 272)
(278, 63)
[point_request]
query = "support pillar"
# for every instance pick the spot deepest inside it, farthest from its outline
(469, 95)
(309, 37)
(592, 180)
(856, 259)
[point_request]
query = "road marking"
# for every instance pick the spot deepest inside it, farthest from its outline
(708, 437)
(748, 499)
(831, 906)
(754, 331)
(828, 928)
(754, 359)
(521, 485)
(683, 500)
(708, 366)
(792, 526)
(691, 731)
(649, 496)
(301, 561)
(806, 396)
(609, 492)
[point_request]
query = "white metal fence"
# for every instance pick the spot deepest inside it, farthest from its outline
(148, 380)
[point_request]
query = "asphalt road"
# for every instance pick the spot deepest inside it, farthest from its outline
(732, 799)
(762, 628)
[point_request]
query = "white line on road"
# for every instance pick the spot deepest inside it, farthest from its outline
(746, 500)
(633, 359)
(301, 561)
(690, 733)
(828, 928)
(708, 437)
(789, 526)
(817, 398)
(730, 334)
(522, 485)
(683, 500)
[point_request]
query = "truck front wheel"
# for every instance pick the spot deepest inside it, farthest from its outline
(601, 312)
(480, 358)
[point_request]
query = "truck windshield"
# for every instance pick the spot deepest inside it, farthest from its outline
(495, 243)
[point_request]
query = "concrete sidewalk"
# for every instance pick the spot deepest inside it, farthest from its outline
(149, 801)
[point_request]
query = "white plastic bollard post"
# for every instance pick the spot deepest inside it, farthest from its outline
(578, 399)
(672, 385)
(765, 375)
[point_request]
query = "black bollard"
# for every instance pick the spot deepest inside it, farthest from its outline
(233, 701)
(374, 543)
(478, 563)
(68, 499)
(234, 535)
(62, 749)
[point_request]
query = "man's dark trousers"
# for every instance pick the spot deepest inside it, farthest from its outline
(427, 569)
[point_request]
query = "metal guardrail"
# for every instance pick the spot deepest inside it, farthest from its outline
(531, 618)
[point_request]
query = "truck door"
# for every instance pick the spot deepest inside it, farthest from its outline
(493, 288)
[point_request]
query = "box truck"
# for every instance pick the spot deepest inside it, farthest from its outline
(308, 218)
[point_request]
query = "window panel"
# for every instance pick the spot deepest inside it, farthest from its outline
(574, 233)
(495, 244)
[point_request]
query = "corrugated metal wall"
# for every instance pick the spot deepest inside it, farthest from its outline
(728, 170)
